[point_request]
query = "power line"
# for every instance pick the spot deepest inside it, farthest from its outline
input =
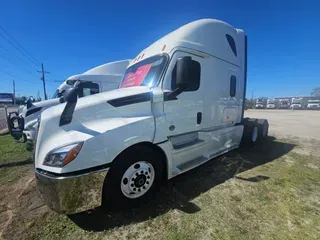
(18, 58)
(9, 60)
(26, 53)
(11, 75)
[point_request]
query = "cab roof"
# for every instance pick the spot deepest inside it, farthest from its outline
(206, 35)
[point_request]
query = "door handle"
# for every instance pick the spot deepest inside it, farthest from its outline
(199, 117)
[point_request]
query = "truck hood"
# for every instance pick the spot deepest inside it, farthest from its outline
(42, 104)
(93, 115)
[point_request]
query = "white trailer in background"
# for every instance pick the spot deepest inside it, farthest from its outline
(271, 103)
(106, 77)
(313, 104)
(284, 103)
(296, 103)
(180, 104)
(259, 104)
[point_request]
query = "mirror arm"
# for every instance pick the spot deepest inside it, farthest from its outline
(173, 95)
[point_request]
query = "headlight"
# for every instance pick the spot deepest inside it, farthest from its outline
(61, 156)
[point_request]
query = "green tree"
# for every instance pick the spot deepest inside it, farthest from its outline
(316, 92)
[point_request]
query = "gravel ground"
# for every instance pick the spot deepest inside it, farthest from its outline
(287, 123)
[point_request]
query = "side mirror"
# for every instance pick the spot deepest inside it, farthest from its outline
(185, 77)
(29, 102)
(183, 72)
(71, 95)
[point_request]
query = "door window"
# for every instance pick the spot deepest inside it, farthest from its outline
(89, 89)
(195, 72)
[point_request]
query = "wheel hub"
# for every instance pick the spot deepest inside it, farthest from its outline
(137, 179)
(140, 180)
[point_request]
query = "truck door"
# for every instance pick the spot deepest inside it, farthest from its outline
(184, 114)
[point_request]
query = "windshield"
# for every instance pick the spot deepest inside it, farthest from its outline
(313, 101)
(55, 95)
(284, 103)
(144, 73)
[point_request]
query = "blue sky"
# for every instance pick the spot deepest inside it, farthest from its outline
(70, 37)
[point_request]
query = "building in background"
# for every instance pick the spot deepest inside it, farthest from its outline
(6, 98)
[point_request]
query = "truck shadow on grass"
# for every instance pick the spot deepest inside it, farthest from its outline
(178, 192)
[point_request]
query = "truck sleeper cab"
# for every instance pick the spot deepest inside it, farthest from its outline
(313, 105)
(259, 104)
(284, 104)
(99, 79)
(296, 103)
(271, 104)
(180, 104)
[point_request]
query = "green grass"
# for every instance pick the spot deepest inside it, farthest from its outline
(15, 159)
(267, 192)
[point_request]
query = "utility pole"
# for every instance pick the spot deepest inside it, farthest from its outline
(38, 96)
(14, 93)
(44, 81)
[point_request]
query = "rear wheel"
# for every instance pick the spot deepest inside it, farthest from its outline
(132, 177)
(250, 133)
(263, 127)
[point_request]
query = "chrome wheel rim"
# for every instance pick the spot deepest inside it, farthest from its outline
(137, 179)
(255, 134)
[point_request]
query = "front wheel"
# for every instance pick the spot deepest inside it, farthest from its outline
(132, 177)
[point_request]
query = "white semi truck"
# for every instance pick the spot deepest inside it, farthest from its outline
(106, 77)
(180, 104)
(259, 104)
(296, 103)
(284, 103)
(313, 104)
(271, 103)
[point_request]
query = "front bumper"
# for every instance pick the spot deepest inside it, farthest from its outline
(313, 107)
(70, 194)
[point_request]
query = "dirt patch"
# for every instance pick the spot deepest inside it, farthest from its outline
(19, 205)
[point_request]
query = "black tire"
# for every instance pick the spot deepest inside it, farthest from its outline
(263, 128)
(250, 128)
(113, 197)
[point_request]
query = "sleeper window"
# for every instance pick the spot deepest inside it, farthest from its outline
(232, 44)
